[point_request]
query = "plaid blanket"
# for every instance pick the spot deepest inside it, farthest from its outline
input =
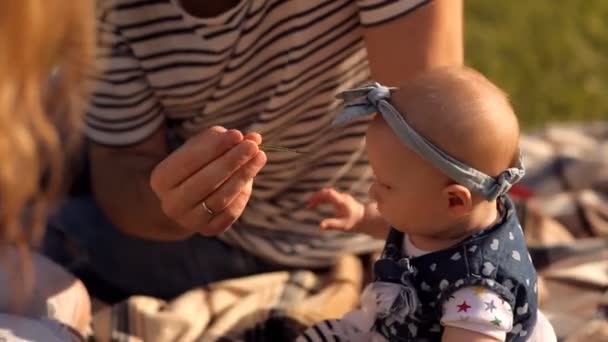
(267, 307)
(564, 207)
(564, 201)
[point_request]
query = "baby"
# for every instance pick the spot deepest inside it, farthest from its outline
(444, 150)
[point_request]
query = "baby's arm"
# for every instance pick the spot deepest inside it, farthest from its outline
(350, 214)
(476, 314)
(453, 334)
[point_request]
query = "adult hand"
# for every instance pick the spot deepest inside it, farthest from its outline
(205, 185)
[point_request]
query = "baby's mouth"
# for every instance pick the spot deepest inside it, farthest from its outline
(379, 206)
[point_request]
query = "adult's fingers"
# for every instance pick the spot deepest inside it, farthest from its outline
(207, 224)
(232, 187)
(196, 153)
(203, 183)
(256, 137)
(219, 223)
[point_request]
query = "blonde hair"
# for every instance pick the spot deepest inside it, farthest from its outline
(46, 50)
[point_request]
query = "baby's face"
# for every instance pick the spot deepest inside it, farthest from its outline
(407, 188)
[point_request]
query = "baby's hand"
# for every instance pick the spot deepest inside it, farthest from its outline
(348, 212)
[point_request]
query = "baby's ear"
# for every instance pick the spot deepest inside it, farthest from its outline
(458, 200)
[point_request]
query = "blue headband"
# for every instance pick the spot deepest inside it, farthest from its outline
(374, 98)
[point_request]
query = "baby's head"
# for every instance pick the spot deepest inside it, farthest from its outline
(465, 115)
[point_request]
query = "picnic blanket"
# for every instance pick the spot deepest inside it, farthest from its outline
(565, 214)
(267, 307)
(564, 209)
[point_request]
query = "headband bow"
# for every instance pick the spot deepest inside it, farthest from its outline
(374, 98)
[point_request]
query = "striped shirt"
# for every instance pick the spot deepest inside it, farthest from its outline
(267, 66)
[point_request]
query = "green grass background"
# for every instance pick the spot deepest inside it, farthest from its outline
(551, 56)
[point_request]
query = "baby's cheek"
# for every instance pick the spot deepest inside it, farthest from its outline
(397, 216)
(409, 215)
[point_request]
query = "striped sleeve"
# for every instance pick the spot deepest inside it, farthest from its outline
(336, 330)
(123, 109)
(376, 12)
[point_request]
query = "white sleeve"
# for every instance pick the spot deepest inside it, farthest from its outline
(478, 309)
(334, 330)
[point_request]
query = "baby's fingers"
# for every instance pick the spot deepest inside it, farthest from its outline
(328, 195)
(335, 224)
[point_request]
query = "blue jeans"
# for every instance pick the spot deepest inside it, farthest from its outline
(114, 265)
